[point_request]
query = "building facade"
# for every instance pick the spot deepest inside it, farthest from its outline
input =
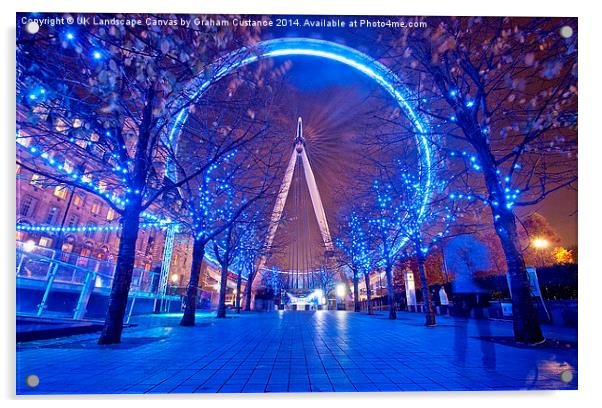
(44, 203)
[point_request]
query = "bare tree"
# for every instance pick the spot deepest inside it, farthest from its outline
(504, 92)
(230, 137)
(105, 99)
(251, 183)
(356, 253)
(325, 279)
(253, 248)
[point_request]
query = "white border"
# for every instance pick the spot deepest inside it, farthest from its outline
(589, 213)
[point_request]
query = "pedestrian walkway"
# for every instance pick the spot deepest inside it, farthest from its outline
(300, 352)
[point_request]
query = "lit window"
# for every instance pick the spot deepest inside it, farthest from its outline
(24, 140)
(35, 180)
(60, 192)
(41, 112)
(79, 199)
(110, 214)
(96, 207)
(61, 126)
(18, 168)
(68, 166)
(102, 186)
(45, 242)
(67, 248)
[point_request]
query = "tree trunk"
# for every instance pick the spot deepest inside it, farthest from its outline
(426, 293)
(248, 291)
(223, 287)
(390, 293)
(526, 325)
(238, 286)
(525, 322)
(368, 293)
(198, 253)
(356, 294)
(122, 279)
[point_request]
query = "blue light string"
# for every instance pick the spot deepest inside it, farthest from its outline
(84, 228)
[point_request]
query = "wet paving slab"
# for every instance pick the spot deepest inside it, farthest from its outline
(313, 351)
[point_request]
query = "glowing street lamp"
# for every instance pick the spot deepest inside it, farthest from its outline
(29, 246)
(341, 290)
(540, 244)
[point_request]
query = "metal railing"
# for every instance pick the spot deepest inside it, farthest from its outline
(47, 268)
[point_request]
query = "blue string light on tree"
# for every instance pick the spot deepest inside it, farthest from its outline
(85, 228)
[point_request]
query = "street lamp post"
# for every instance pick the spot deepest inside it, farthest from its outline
(175, 278)
(341, 291)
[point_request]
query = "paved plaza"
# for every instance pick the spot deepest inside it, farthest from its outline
(300, 352)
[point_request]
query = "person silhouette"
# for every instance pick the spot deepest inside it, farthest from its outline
(443, 300)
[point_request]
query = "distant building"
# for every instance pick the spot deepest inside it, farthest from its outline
(44, 203)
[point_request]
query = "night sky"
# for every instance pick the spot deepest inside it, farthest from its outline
(330, 97)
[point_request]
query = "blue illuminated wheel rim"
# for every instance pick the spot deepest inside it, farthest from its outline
(353, 58)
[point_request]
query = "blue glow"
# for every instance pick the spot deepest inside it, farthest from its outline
(70, 36)
(112, 197)
(83, 228)
(96, 55)
(363, 63)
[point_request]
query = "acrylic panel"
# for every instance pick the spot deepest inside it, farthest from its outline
(295, 204)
